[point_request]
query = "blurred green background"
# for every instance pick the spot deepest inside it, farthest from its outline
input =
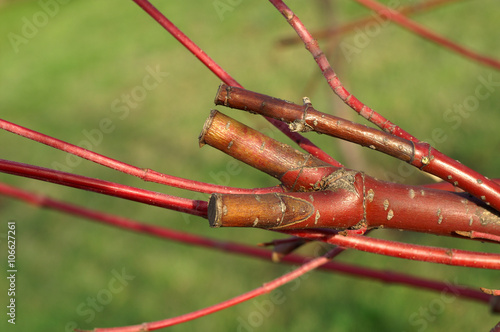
(69, 70)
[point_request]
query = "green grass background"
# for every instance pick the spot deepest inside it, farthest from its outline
(65, 79)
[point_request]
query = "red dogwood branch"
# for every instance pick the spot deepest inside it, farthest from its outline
(186, 41)
(345, 28)
(266, 288)
(346, 206)
(184, 205)
(237, 248)
(407, 251)
(194, 207)
(426, 157)
(332, 78)
(494, 292)
(418, 154)
(341, 198)
(142, 173)
(295, 170)
(346, 200)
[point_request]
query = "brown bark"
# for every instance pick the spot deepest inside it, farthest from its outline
(305, 118)
(296, 171)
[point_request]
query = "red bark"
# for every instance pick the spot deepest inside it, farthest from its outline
(195, 207)
(342, 198)
(331, 77)
(144, 174)
(295, 170)
(353, 200)
(417, 153)
(237, 248)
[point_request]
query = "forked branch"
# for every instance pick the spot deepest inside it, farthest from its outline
(318, 199)
(238, 248)
(331, 77)
(417, 153)
(331, 197)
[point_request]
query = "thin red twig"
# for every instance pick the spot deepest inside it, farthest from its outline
(303, 142)
(266, 288)
(144, 174)
(416, 28)
(332, 78)
(347, 27)
(185, 41)
(194, 207)
(408, 251)
(480, 235)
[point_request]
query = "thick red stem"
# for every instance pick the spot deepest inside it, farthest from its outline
(296, 171)
(236, 248)
(416, 153)
(384, 276)
(353, 201)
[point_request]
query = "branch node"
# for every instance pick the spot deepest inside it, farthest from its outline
(299, 125)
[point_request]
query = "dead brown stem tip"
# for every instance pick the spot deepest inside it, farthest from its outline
(206, 126)
(263, 211)
(215, 210)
